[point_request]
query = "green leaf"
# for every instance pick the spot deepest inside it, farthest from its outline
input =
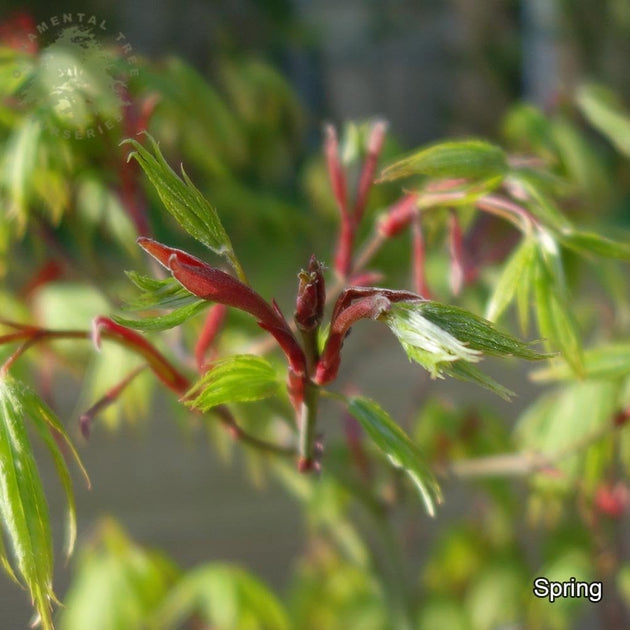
(582, 164)
(18, 168)
(561, 424)
(118, 585)
(183, 200)
(465, 158)
(423, 341)
(163, 322)
(555, 319)
(610, 361)
(225, 597)
(476, 332)
(604, 111)
(469, 373)
(101, 206)
(446, 339)
(511, 279)
(167, 293)
(23, 505)
(528, 128)
(240, 378)
(541, 202)
(591, 243)
(397, 446)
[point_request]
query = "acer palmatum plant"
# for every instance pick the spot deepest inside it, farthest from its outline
(460, 194)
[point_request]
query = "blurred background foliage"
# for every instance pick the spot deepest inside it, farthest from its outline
(237, 91)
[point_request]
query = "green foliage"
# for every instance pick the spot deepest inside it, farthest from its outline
(608, 361)
(558, 423)
(446, 340)
(398, 448)
(604, 111)
(223, 596)
(476, 159)
(182, 199)
(23, 506)
(513, 282)
(556, 320)
(558, 185)
(160, 294)
(239, 378)
(118, 584)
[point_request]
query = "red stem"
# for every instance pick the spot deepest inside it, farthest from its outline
(419, 272)
(211, 327)
(85, 422)
(375, 145)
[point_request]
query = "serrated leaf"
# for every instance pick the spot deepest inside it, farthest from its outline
(446, 339)
(469, 373)
(182, 199)
(477, 333)
(511, 279)
(225, 597)
(465, 158)
(163, 322)
(23, 505)
(163, 293)
(603, 110)
(425, 342)
(591, 243)
(398, 448)
(239, 378)
(158, 294)
(611, 361)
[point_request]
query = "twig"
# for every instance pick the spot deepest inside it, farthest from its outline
(525, 463)
(226, 417)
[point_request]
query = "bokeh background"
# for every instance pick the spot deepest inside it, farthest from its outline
(430, 68)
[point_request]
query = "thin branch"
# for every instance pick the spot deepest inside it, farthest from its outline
(525, 463)
(86, 419)
(34, 336)
(226, 418)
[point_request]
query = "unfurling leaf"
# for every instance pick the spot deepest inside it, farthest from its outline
(239, 378)
(167, 293)
(446, 340)
(23, 506)
(163, 293)
(425, 342)
(184, 201)
(397, 446)
(466, 158)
